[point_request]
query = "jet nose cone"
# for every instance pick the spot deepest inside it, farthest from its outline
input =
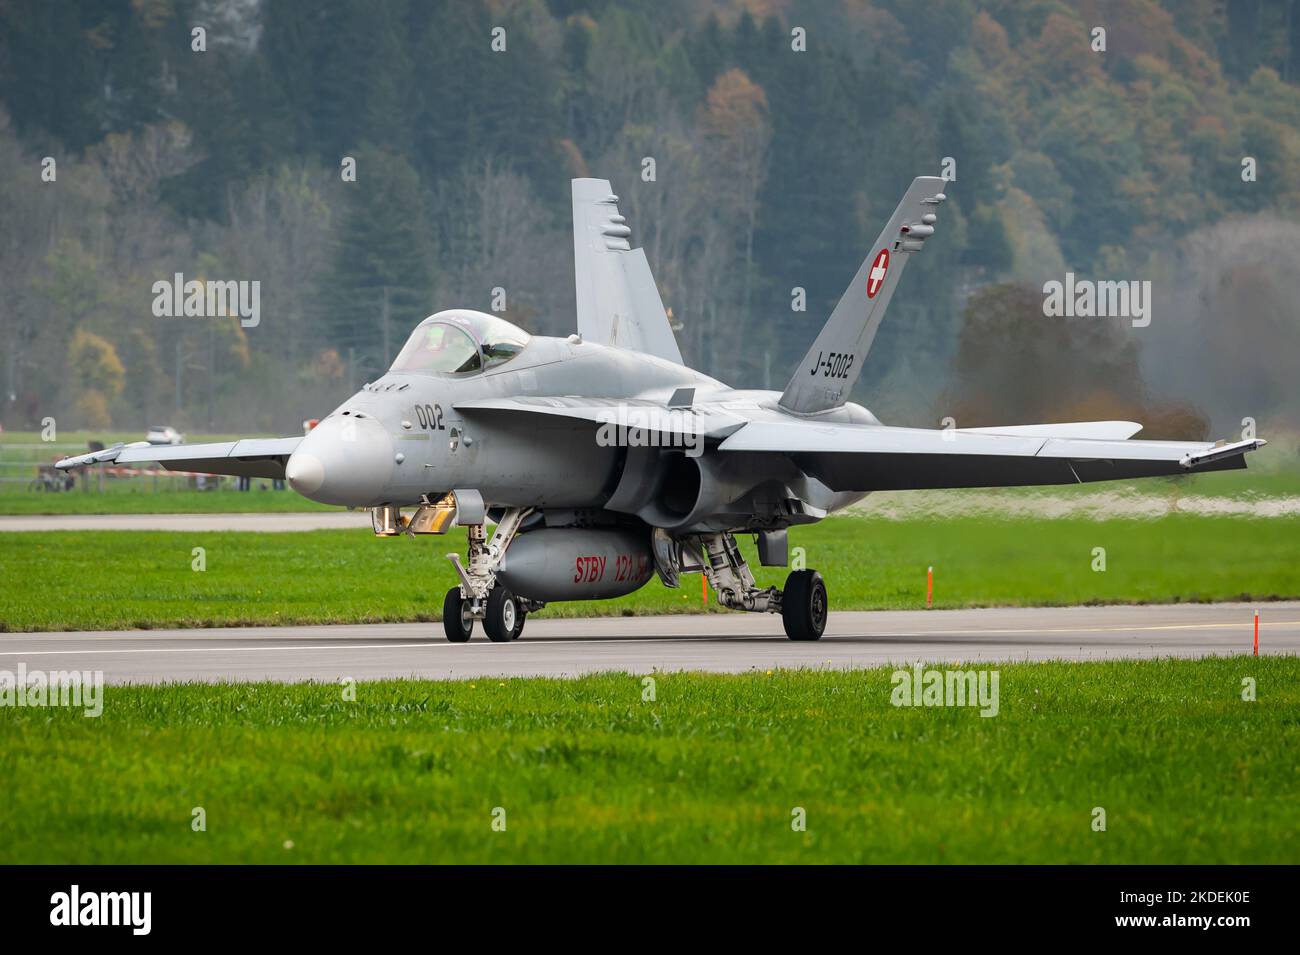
(344, 460)
(305, 473)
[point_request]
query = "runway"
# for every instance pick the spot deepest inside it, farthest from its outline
(716, 642)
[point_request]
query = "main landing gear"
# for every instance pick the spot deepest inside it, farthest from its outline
(479, 596)
(803, 605)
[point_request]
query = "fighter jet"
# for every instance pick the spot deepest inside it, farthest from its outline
(602, 460)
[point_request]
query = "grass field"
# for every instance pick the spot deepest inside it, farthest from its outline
(137, 496)
(710, 771)
(112, 580)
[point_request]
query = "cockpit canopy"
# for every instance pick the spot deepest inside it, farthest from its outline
(460, 342)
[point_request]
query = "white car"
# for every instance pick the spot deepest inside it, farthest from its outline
(160, 434)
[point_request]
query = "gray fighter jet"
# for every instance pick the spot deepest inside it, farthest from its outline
(602, 460)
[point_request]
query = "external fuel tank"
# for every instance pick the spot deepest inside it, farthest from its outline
(562, 563)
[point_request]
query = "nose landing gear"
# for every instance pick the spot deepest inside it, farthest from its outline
(479, 596)
(457, 621)
(503, 617)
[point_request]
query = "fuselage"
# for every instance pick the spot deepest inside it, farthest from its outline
(402, 438)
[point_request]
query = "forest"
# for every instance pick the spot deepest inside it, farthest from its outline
(369, 162)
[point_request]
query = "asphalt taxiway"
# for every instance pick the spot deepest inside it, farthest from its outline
(720, 642)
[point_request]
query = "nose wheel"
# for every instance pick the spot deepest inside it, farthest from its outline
(479, 595)
(457, 621)
(503, 618)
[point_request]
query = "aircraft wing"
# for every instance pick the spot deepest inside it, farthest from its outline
(854, 457)
(626, 412)
(1110, 430)
(249, 457)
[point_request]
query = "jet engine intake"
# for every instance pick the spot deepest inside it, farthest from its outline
(696, 492)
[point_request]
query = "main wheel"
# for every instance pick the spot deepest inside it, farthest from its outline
(804, 605)
(519, 627)
(502, 618)
(456, 621)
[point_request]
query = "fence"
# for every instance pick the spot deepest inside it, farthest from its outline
(31, 467)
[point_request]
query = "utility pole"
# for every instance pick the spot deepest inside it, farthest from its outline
(11, 371)
(212, 366)
(384, 312)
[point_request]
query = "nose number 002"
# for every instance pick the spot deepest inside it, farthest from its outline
(430, 417)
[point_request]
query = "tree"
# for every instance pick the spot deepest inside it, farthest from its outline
(1015, 365)
(98, 375)
(990, 246)
(736, 132)
(380, 283)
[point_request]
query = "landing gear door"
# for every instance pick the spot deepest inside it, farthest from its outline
(470, 508)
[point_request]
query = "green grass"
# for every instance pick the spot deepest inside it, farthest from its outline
(137, 496)
(121, 579)
(79, 439)
(1250, 484)
(709, 772)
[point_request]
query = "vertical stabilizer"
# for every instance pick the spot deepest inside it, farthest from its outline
(826, 376)
(618, 302)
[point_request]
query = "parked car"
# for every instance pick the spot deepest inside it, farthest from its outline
(160, 434)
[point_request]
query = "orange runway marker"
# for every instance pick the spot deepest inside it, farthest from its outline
(1256, 633)
(929, 586)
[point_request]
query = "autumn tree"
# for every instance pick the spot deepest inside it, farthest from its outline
(94, 366)
(734, 125)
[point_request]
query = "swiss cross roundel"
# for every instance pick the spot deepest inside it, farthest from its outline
(879, 269)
